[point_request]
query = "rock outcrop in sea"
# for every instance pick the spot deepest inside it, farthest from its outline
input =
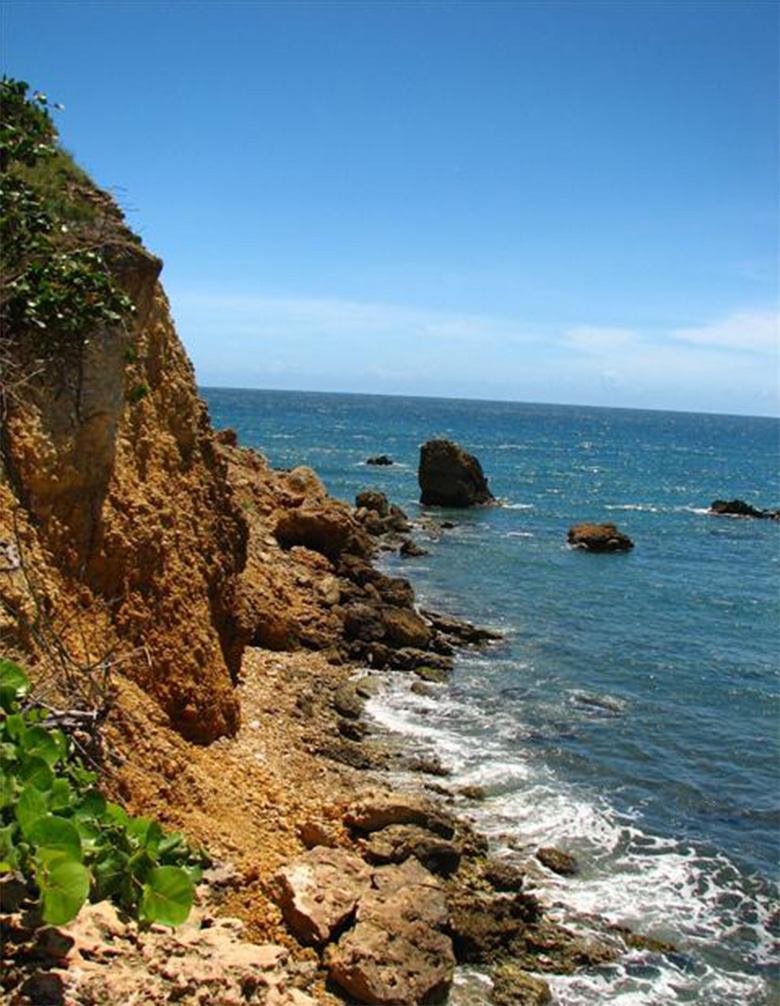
(449, 476)
(599, 538)
(739, 508)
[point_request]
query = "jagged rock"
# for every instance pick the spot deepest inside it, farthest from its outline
(397, 842)
(549, 947)
(314, 833)
(363, 622)
(739, 508)
(228, 436)
(427, 766)
(374, 501)
(405, 628)
(395, 591)
(376, 811)
(322, 528)
(450, 476)
(397, 953)
(599, 538)
(459, 629)
(380, 459)
(353, 753)
(319, 891)
(305, 484)
(513, 987)
(558, 861)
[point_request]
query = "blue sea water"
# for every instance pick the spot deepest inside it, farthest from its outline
(631, 713)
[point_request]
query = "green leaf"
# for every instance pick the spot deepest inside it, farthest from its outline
(31, 806)
(38, 741)
(56, 834)
(167, 896)
(60, 794)
(14, 684)
(92, 806)
(117, 814)
(109, 872)
(64, 888)
(36, 772)
(15, 726)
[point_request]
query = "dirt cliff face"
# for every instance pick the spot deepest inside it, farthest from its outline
(113, 492)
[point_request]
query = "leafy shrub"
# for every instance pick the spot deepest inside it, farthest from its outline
(60, 834)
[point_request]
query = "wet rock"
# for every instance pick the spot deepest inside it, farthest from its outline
(319, 891)
(739, 508)
(450, 476)
(503, 876)
(380, 459)
(395, 591)
(484, 928)
(397, 842)
(348, 701)
(369, 685)
(410, 549)
(398, 952)
(405, 628)
(436, 675)
(376, 811)
(408, 658)
(425, 690)
(639, 942)
(462, 631)
(599, 538)
(514, 987)
(549, 947)
(374, 501)
(558, 861)
(428, 766)
(473, 792)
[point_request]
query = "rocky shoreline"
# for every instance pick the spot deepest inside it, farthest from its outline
(297, 803)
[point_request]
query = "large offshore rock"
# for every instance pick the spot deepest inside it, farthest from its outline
(319, 891)
(599, 538)
(398, 952)
(450, 476)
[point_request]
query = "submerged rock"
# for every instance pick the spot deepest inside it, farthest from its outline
(450, 476)
(739, 508)
(558, 861)
(599, 538)
(514, 987)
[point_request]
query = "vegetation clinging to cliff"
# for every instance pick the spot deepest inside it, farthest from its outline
(56, 286)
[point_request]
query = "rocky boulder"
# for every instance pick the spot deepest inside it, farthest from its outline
(380, 460)
(558, 861)
(398, 842)
(321, 527)
(378, 810)
(398, 952)
(739, 508)
(450, 476)
(405, 628)
(318, 892)
(514, 987)
(599, 538)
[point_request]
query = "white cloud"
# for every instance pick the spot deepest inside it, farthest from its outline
(752, 331)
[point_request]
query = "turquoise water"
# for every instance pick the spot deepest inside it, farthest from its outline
(631, 714)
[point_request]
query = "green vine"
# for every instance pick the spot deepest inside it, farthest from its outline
(60, 836)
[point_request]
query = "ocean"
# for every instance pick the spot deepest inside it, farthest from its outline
(630, 715)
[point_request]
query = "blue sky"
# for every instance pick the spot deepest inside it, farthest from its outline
(562, 202)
